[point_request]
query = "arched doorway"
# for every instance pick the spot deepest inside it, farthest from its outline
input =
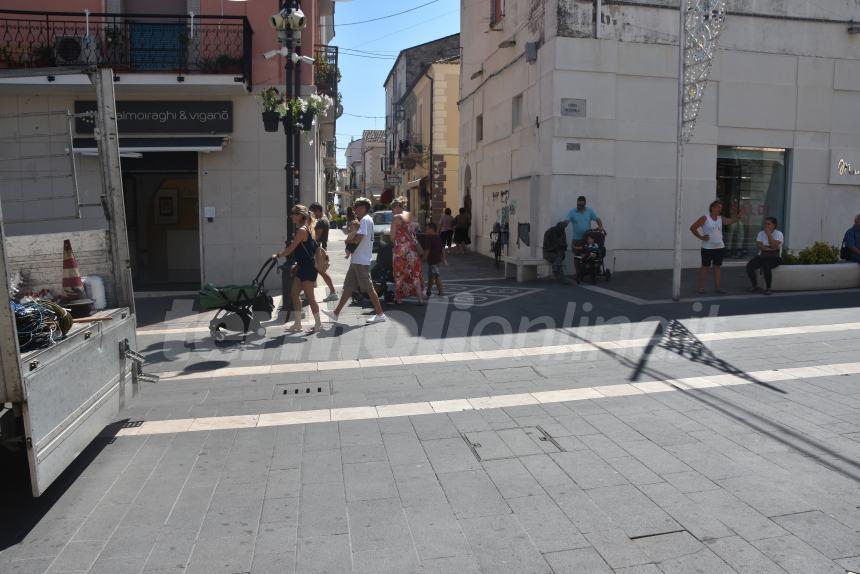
(467, 195)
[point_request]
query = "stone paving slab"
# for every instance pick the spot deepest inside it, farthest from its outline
(757, 478)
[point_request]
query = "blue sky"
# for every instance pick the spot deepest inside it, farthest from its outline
(363, 94)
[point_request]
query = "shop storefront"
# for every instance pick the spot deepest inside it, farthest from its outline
(160, 143)
(751, 182)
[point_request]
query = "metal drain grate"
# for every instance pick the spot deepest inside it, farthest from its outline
(297, 390)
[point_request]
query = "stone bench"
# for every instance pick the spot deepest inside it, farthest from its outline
(526, 268)
(844, 275)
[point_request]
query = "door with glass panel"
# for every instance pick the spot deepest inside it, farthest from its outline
(752, 183)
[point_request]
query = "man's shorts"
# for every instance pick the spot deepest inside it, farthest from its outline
(358, 277)
(712, 257)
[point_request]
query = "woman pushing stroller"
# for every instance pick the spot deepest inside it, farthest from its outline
(304, 246)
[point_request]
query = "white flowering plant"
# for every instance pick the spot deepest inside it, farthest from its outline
(319, 104)
(293, 107)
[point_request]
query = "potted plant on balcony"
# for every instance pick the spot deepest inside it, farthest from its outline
(227, 64)
(42, 56)
(5, 58)
(271, 99)
(326, 75)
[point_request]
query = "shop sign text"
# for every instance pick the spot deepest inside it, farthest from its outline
(164, 117)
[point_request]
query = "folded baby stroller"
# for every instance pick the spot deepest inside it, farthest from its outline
(239, 306)
(591, 264)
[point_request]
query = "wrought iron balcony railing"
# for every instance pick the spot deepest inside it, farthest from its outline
(127, 42)
(326, 71)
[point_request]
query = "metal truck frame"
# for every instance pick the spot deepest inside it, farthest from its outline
(64, 396)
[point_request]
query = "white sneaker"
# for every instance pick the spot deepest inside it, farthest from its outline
(331, 297)
(330, 315)
(376, 319)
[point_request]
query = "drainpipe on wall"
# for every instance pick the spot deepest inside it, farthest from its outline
(432, 167)
(598, 18)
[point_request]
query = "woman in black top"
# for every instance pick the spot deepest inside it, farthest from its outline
(304, 246)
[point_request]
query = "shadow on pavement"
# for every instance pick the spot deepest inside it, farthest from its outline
(675, 337)
(814, 449)
(21, 511)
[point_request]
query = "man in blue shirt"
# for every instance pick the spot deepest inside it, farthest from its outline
(851, 242)
(580, 220)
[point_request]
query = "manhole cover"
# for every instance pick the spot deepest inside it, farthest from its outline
(302, 390)
(510, 443)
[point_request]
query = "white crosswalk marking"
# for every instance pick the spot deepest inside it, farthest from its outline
(494, 354)
(491, 402)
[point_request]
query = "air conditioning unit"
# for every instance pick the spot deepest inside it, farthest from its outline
(76, 51)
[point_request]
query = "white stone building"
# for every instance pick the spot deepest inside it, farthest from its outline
(556, 103)
(355, 167)
(372, 152)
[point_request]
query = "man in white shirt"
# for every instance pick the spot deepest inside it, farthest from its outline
(769, 256)
(358, 274)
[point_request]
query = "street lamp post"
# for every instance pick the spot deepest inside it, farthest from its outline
(292, 82)
(699, 28)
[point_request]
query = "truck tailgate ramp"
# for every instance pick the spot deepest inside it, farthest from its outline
(72, 391)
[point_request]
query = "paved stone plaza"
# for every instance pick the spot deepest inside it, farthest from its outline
(504, 429)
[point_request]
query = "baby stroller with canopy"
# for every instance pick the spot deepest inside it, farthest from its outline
(239, 305)
(591, 264)
(381, 274)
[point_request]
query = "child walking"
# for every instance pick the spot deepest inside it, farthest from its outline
(434, 247)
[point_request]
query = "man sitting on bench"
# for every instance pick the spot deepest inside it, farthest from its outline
(555, 249)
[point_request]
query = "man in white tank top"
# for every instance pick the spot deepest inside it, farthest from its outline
(709, 229)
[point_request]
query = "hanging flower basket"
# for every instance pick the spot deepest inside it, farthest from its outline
(308, 120)
(286, 120)
(270, 120)
(271, 99)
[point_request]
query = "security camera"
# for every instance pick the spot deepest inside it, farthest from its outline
(279, 20)
(286, 18)
(272, 53)
(296, 19)
(303, 59)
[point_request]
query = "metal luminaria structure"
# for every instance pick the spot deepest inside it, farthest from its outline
(701, 22)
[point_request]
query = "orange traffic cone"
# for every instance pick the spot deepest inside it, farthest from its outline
(73, 285)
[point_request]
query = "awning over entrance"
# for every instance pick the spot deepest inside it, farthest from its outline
(86, 146)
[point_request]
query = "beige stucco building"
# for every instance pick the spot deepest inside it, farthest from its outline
(422, 127)
(429, 162)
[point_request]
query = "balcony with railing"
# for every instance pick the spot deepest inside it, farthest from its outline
(326, 71)
(131, 43)
(411, 153)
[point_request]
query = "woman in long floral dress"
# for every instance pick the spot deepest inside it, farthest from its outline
(408, 279)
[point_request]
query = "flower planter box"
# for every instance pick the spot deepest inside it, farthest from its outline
(271, 121)
(307, 121)
(844, 275)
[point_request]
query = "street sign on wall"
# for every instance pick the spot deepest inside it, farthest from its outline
(573, 107)
(164, 117)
